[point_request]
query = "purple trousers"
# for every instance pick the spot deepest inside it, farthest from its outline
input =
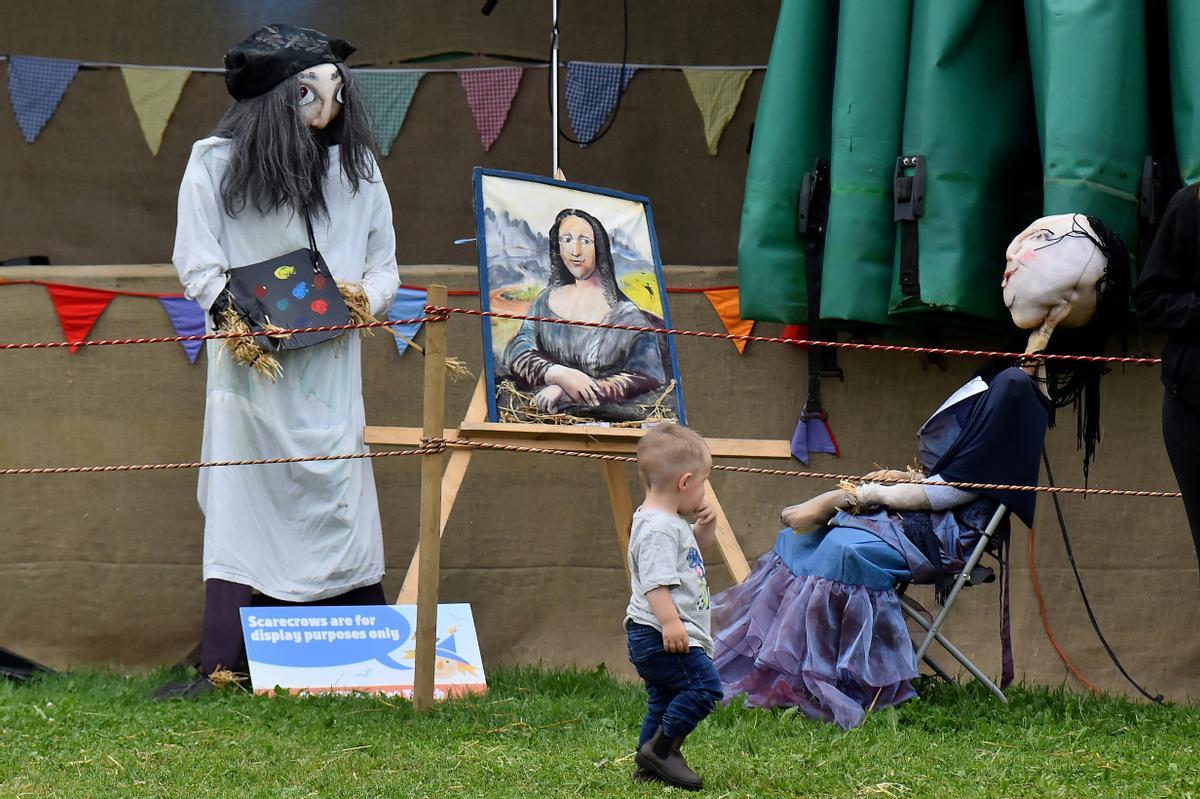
(222, 645)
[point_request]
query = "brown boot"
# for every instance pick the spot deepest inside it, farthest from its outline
(661, 756)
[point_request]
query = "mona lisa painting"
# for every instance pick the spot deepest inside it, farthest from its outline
(566, 252)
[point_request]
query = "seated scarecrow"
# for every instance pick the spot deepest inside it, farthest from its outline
(818, 624)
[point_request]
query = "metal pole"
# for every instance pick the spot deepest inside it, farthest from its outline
(554, 87)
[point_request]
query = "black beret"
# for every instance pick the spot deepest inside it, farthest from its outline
(274, 53)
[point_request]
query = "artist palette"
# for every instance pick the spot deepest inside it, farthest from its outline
(291, 291)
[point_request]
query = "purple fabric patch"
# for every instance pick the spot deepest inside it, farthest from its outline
(812, 435)
(830, 649)
(187, 317)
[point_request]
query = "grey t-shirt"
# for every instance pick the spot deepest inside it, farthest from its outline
(663, 552)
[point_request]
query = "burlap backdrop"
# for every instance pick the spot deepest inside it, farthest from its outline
(106, 568)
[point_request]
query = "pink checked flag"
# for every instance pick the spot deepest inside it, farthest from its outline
(490, 93)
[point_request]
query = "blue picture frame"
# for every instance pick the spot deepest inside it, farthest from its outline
(646, 297)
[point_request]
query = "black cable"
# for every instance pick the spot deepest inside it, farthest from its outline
(612, 117)
(1062, 524)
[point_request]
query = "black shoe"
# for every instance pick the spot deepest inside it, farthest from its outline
(188, 689)
(661, 756)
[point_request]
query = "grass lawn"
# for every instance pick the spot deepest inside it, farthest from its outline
(546, 733)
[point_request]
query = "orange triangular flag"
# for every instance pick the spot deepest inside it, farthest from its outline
(725, 303)
(78, 308)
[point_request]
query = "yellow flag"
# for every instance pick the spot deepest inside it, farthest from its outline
(154, 94)
(717, 92)
(725, 303)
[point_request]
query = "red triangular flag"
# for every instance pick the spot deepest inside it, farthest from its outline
(490, 93)
(78, 308)
(725, 303)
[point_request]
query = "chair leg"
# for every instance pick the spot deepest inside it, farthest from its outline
(961, 580)
(913, 611)
(910, 610)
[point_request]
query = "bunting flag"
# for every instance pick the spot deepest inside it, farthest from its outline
(813, 434)
(798, 332)
(35, 87)
(409, 304)
(78, 308)
(725, 303)
(388, 95)
(717, 93)
(490, 93)
(154, 94)
(187, 317)
(592, 92)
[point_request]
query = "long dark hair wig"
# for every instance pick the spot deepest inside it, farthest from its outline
(561, 276)
(278, 161)
(1077, 383)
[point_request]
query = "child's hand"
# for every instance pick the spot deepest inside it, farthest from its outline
(675, 637)
(704, 526)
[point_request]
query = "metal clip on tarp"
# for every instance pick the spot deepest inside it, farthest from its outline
(908, 192)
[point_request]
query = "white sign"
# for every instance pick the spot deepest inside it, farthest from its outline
(315, 649)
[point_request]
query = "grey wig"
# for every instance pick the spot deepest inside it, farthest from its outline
(278, 161)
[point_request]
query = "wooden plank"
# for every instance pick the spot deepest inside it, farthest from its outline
(452, 479)
(575, 441)
(731, 550)
(622, 507)
(431, 511)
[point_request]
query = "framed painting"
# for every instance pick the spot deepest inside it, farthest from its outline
(565, 252)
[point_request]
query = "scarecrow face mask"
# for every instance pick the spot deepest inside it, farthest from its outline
(320, 94)
(1057, 259)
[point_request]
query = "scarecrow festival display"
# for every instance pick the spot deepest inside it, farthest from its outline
(818, 624)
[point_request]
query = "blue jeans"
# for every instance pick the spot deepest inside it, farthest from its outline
(681, 689)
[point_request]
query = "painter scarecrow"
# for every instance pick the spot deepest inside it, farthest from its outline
(284, 222)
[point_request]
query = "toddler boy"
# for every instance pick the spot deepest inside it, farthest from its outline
(667, 621)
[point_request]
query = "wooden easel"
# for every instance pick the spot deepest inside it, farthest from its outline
(439, 489)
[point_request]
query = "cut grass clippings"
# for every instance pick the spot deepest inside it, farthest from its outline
(565, 733)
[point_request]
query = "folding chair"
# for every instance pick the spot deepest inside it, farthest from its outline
(933, 629)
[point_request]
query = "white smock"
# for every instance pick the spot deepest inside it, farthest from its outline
(302, 531)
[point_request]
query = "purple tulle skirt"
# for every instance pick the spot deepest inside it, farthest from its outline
(828, 648)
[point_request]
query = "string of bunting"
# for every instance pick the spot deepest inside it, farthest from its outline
(79, 308)
(37, 85)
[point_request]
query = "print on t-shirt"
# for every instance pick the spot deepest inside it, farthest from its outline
(697, 563)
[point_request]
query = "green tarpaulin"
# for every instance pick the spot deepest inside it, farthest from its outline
(868, 117)
(1183, 40)
(969, 114)
(790, 131)
(1089, 82)
(1014, 109)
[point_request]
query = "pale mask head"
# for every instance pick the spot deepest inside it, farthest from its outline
(320, 98)
(1055, 260)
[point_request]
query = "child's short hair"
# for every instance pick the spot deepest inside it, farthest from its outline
(667, 451)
